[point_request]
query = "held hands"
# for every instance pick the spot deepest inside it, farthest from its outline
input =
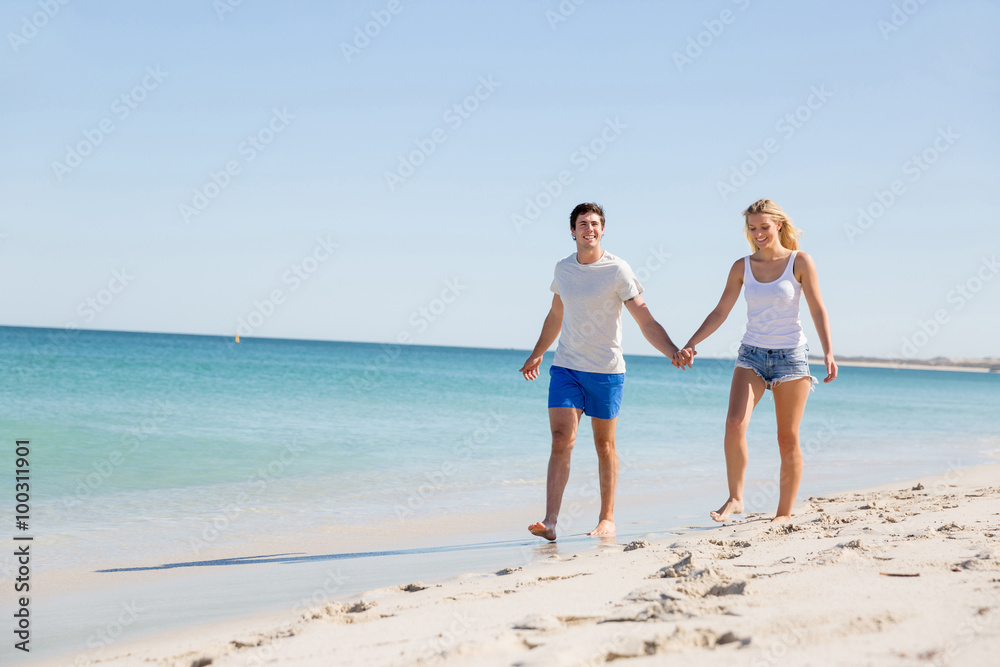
(681, 359)
(684, 358)
(530, 368)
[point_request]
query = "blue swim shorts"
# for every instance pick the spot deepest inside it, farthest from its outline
(776, 366)
(597, 394)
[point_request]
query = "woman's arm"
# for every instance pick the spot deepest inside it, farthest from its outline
(734, 283)
(805, 268)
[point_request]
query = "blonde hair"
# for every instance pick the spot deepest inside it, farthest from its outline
(788, 234)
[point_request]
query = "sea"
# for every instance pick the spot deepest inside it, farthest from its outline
(178, 454)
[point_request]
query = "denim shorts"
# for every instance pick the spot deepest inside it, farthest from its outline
(597, 394)
(776, 366)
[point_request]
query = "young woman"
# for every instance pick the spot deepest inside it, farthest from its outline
(773, 354)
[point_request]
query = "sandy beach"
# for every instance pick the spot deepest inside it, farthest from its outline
(904, 574)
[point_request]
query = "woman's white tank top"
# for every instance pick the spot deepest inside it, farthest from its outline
(773, 309)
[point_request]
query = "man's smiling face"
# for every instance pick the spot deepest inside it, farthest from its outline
(588, 231)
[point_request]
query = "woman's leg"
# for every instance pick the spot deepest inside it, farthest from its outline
(789, 404)
(746, 391)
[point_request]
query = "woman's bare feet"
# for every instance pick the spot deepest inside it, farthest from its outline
(605, 528)
(782, 519)
(731, 506)
(541, 530)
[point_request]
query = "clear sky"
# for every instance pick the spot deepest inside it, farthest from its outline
(367, 171)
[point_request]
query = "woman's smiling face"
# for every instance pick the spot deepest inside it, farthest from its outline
(763, 231)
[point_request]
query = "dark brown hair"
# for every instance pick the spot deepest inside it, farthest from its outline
(583, 209)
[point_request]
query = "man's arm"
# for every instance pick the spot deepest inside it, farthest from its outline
(651, 329)
(550, 331)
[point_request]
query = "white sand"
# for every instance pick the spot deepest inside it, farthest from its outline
(818, 591)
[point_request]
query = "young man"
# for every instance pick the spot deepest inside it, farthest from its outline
(588, 372)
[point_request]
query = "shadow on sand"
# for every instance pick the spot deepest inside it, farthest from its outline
(298, 557)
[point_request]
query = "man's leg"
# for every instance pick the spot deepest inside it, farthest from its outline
(607, 468)
(564, 423)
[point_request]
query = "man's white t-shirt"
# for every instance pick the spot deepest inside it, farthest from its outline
(592, 297)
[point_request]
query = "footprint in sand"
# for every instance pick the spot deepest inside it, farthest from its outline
(650, 593)
(682, 568)
(685, 638)
(476, 595)
(541, 623)
(828, 520)
(339, 612)
(783, 529)
(712, 583)
(984, 560)
(977, 564)
(730, 548)
(413, 588)
(739, 544)
(700, 581)
(567, 576)
(867, 625)
(951, 528)
(662, 609)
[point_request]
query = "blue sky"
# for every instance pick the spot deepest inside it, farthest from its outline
(207, 167)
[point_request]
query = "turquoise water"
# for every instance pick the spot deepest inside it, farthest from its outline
(134, 428)
(353, 427)
(152, 450)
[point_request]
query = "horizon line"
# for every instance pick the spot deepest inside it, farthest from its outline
(844, 358)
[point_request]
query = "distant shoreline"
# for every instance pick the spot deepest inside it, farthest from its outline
(962, 366)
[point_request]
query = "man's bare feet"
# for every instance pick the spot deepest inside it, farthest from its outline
(541, 530)
(782, 519)
(731, 506)
(605, 528)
